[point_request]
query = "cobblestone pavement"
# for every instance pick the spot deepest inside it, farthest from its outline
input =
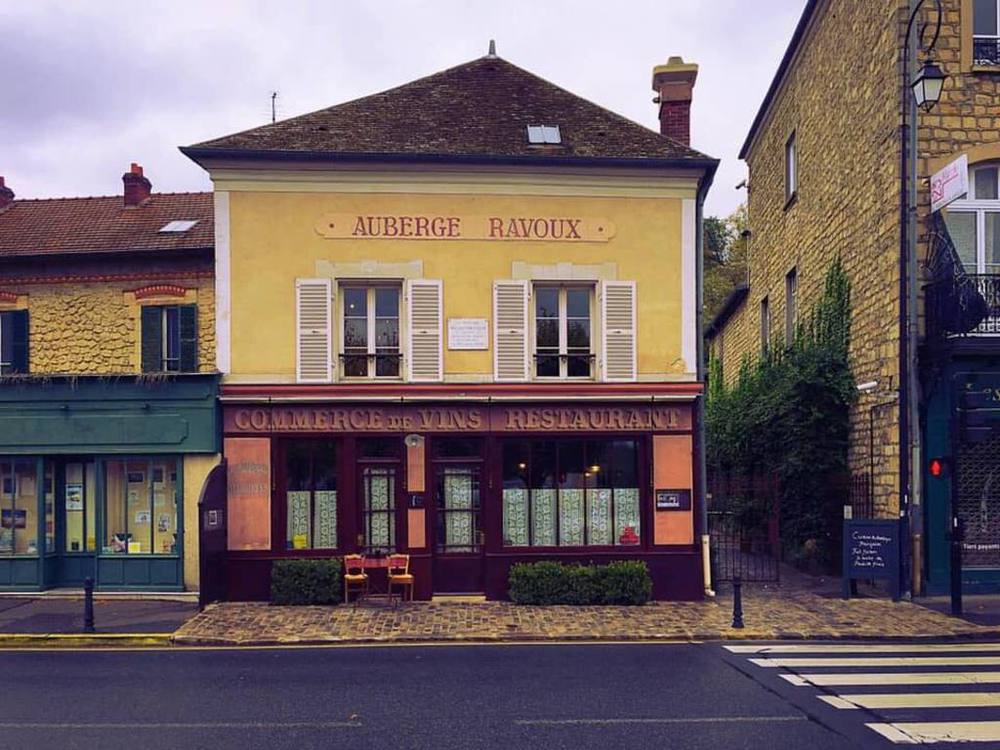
(767, 614)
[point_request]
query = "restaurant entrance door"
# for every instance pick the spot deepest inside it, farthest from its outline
(458, 528)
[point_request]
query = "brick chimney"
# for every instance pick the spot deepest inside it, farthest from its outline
(673, 84)
(137, 187)
(6, 195)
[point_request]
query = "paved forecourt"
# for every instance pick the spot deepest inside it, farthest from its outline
(906, 693)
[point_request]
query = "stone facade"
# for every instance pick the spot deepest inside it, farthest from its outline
(92, 328)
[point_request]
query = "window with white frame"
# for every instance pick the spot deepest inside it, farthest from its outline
(974, 222)
(791, 169)
(370, 325)
(986, 32)
(563, 330)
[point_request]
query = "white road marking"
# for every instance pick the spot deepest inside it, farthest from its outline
(913, 700)
(679, 720)
(894, 678)
(926, 733)
(181, 725)
(881, 661)
(863, 648)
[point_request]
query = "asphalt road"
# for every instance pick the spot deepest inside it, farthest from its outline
(687, 696)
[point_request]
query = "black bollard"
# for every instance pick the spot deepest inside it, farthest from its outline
(956, 566)
(737, 602)
(88, 605)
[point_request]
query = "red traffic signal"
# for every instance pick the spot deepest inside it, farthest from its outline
(938, 467)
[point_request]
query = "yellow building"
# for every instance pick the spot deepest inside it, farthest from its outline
(458, 319)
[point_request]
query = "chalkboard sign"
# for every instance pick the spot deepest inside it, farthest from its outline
(871, 550)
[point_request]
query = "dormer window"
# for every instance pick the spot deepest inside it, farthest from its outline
(544, 135)
(177, 227)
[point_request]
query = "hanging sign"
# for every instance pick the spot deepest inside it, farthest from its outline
(950, 183)
(446, 227)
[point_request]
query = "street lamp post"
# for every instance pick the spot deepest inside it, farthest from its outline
(923, 90)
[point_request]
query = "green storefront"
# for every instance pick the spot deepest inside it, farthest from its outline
(98, 476)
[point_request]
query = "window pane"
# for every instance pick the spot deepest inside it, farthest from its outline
(984, 17)
(356, 333)
(50, 507)
(458, 510)
(6, 340)
(962, 228)
(547, 366)
(992, 242)
(172, 339)
(298, 467)
(547, 334)
(378, 448)
(164, 480)
(387, 366)
(138, 514)
(546, 303)
(325, 495)
(356, 367)
(457, 447)
(387, 333)
(386, 302)
(78, 502)
(986, 183)
(578, 366)
(571, 493)
(578, 303)
(378, 509)
(18, 504)
(578, 333)
(355, 302)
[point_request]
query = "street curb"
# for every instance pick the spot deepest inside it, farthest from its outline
(84, 640)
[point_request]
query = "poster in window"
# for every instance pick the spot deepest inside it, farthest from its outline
(142, 517)
(26, 486)
(136, 477)
(20, 519)
(74, 496)
(163, 522)
(6, 518)
(157, 475)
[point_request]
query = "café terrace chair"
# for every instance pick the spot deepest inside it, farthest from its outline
(355, 577)
(398, 574)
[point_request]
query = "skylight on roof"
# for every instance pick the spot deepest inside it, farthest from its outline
(544, 134)
(178, 226)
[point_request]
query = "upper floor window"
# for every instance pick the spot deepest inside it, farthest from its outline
(169, 338)
(371, 331)
(974, 222)
(563, 331)
(13, 342)
(791, 169)
(765, 325)
(791, 306)
(986, 32)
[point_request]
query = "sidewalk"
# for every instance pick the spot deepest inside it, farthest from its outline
(768, 614)
(37, 615)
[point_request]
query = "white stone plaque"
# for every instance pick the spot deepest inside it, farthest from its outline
(468, 333)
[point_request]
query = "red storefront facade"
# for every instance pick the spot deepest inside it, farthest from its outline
(466, 480)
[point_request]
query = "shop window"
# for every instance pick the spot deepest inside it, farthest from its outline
(370, 339)
(378, 509)
(311, 494)
(170, 338)
(50, 506)
(974, 222)
(457, 448)
(18, 507)
(458, 510)
(563, 331)
(571, 493)
(986, 32)
(379, 447)
(141, 507)
(79, 502)
(13, 342)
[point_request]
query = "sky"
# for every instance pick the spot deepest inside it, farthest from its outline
(88, 87)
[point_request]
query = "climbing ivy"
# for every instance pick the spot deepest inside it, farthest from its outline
(787, 416)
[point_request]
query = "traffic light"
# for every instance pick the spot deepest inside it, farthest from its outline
(939, 467)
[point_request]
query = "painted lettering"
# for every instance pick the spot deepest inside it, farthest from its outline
(242, 420)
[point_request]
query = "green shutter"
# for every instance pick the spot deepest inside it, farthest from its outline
(152, 339)
(189, 338)
(19, 336)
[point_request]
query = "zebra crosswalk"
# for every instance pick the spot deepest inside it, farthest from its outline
(906, 693)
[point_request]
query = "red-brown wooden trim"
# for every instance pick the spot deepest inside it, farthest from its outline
(460, 390)
(85, 278)
(160, 290)
(6, 296)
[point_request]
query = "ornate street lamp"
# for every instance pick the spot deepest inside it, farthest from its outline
(927, 85)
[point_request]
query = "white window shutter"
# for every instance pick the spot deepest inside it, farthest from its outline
(618, 331)
(510, 331)
(425, 313)
(313, 347)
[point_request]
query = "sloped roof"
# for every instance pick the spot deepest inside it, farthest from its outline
(478, 110)
(103, 224)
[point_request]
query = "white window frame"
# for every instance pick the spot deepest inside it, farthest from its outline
(979, 207)
(563, 331)
(994, 37)
(369, 287)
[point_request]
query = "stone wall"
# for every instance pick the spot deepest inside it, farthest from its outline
(839, 99)
(92, 328)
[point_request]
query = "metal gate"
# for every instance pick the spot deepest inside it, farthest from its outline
(977, 501)
(212, 537)
(743, 529)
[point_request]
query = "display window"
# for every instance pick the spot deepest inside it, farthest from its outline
(18, 507)
(311, 494)
(140, 507)
(571, 493)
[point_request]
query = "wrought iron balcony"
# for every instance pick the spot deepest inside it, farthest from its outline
(986, 52)
(965, 305)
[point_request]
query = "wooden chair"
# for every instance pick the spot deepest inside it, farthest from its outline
(398, 574)
(355, 577)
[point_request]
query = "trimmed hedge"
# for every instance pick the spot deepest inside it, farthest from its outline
(549, 582)
(306, 581)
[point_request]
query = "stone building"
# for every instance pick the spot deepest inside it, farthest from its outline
(107, 387)
(824, 160)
